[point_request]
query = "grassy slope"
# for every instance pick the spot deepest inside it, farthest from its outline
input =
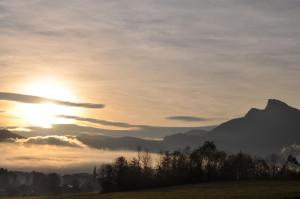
(269, 190)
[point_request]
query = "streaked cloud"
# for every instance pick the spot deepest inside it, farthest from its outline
(187, 118)
(102, 122)
(38, 100)
(136, 127)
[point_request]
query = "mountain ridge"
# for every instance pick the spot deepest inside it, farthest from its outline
(266, 129)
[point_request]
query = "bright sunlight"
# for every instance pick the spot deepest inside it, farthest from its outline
(45, 114)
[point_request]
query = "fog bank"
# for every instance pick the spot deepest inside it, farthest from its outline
(50, 158)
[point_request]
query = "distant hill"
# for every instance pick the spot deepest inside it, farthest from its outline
(258, 132)
(122, 143)
(5, 134)
(173, 142)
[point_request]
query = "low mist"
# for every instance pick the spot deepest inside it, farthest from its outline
(51, 158)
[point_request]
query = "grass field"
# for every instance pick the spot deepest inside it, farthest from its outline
(247, 190)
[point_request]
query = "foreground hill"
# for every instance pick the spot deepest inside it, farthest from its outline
(249, 190)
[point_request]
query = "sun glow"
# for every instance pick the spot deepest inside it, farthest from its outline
(45, 114)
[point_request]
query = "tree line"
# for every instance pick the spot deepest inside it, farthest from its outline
(204, 164)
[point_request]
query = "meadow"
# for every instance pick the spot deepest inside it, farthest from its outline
(247, 190)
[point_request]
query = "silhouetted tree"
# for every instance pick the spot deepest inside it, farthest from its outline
(39, 184)
(239, 167)
(262, 169)
(54, 184)
(3, 178)
(291, 159)
(107, 178)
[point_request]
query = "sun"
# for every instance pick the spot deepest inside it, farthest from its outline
(46, 114)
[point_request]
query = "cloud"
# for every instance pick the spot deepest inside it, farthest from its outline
(38, 100)
(138, 127)
(102, 122)
(57, 140)
(2, 111)
(188, 118)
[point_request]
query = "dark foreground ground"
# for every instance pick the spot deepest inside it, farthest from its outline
(265, 190)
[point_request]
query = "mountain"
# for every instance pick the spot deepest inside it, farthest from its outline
(5, 135)
(259, 132)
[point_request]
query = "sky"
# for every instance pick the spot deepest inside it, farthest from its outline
(144, 63)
